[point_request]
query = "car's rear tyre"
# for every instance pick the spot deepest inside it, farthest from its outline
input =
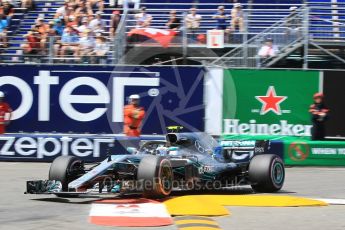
(65, 169)
(266, 173)
(156, 176)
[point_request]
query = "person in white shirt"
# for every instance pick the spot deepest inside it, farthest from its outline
(62, 11)
(86, 46)
(237, 17)
(84, 26)
(97, 22)
(100, 49)
(192, 22)
(143, 19)
(268, 50)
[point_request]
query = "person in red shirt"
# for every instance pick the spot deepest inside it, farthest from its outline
(133, 116)
(5, 113)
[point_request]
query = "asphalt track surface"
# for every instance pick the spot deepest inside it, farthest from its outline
(20, 211)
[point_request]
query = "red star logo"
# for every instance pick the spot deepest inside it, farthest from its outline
(271, 102)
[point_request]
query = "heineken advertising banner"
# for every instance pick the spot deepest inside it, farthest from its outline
(269, 102)
(314, 153)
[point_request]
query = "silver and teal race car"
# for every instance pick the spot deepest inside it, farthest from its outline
(184, 161)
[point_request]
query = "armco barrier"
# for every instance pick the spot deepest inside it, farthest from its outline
(90, 99)
(45, 148)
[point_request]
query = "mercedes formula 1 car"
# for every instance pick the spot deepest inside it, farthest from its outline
(184, 161)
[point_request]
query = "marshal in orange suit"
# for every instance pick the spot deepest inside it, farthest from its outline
(133, 116)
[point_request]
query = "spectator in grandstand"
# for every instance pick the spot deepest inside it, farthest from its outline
(293, 21)
(83, 9)
(268, 49)
(120, 3)
(237, 17)
(97, 4)
(69, 42)
(58, 27)
(51, 31)
(192, 21)
(143, 19)
(42, 29)
(84, 25)
(3, 31)
(7, 10)
(72, 21)
(27, 4)
(97, 22)
(32, 46)
(5, 113)
(100, 50)
(174, 23)
(86, 45)
(114, 23)
(220, 16)
(319, 114)
(61, 12)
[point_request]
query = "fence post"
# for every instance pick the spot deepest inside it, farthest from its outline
(306, 36)
(184, 38)
(51, 40)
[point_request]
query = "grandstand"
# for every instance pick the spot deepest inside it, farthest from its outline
(319, 40)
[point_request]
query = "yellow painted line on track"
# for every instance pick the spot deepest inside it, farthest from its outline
(212, 205)
(194, 205)
(195, 223)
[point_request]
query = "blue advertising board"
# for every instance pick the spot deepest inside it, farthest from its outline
(46, 147)
(89, 99)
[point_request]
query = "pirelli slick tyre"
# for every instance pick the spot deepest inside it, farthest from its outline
(266, 173)
(156, 176)
(66, 169)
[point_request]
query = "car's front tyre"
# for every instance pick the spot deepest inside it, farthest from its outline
(156, 176)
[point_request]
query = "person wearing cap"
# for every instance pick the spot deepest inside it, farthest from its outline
(100, 49)
(268, 49)
(84, 25)
(97, 21)
(114, 23)
(220, 16)
(237, 17)
(143, 19)
(86, 45)
(293, 21)
(133, 116)
(319, 114)
(174, 23)
(5, 113)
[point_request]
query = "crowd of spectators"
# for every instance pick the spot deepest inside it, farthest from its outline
(78, 31)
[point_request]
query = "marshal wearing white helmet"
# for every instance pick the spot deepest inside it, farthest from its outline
(133, 116)
(5, 113)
